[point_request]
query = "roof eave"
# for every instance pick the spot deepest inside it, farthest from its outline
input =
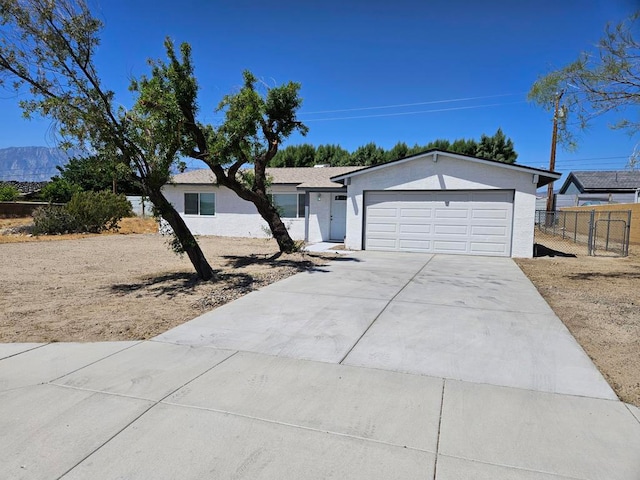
(548, 175)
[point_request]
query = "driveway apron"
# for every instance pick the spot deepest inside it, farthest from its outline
(477, 319)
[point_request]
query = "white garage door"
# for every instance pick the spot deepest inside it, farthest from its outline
(463, 222)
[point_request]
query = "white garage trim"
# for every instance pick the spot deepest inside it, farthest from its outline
(471, 222)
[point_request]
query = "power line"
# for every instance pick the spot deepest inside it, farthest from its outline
(412, 113)
(400, 105)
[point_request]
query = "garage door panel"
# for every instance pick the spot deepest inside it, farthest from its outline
(473, 222)
(451, 213)
(490, 213)
(415, 245)
(484, 248)
(415, 213)
(384, 212)
(417, 228)
(495, 231)
(383, 228)
(382, 244)
(448, 246)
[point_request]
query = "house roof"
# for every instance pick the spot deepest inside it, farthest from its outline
(605, 181)
(302, 177)
(544, 176)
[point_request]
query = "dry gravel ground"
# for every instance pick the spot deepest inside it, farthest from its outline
(120, 287)
(598, 299)
(131, 286)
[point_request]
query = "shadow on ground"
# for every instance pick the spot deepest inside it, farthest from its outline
(542, 251)
(603, 275)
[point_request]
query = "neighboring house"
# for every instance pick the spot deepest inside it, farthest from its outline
(442, 202)
(592, 188)
(312, 206)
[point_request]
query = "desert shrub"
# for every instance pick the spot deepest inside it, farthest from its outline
(8, 193)
(91, 212)
(53, 219)
(59, 190)
(98, 211)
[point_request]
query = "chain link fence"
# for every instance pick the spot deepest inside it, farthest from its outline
(583, 233)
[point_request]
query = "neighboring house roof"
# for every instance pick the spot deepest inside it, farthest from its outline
(302, 177)
(620, 181)
(545, 176)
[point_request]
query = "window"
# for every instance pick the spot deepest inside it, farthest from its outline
(289, 205)
(200, 203)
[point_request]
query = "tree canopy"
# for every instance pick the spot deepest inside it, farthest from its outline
(47, 49)
(596, 83)
(495, 147)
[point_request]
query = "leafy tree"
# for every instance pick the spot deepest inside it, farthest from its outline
(465, 147)
(8, 193)
(333, 155)
(48, 46)
(596, 83)
(399, 150)
(496, 147)
(97, 173)
(59, 190)
(440, 144)
(295, 156)
(254, 127)
(369, 154)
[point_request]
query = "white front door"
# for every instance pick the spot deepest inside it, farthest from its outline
(338, 222)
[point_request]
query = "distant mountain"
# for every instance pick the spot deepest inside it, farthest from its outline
(30, 164)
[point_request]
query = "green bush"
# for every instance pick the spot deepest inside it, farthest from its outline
(59, 190)
(53, 220)
(98, 211)
(8, 193)
(91, 212)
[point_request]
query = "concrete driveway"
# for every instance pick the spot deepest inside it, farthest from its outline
(378, 366)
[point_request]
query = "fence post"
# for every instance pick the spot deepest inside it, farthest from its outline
(590, 245)
(627, 232)
(564, 224)
(575, 228)
(606, 248)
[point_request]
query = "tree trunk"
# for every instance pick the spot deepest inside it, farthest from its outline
(270, 215)
(266, 210)
(183, 234)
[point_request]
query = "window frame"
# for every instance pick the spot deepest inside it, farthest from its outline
(199, 204)
(300, 203)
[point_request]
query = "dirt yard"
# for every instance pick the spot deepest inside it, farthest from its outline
(119, 287)
(131, 286)
(598, 299)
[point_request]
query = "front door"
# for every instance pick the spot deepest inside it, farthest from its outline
(338, 223)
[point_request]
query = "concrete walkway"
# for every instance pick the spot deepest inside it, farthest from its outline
(378, 366)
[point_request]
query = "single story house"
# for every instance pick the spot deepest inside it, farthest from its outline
(588, 188)
(312, 206)
(443, 202)
(434, 201)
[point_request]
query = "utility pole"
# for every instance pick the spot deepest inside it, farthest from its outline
(554, 141)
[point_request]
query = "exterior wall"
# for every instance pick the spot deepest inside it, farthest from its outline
(575, 200)
(571, 189)
(447, 173)
(238, 218)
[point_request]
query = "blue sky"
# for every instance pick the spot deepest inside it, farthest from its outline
(462, 67)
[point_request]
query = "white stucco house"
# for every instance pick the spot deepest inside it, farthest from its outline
(441, 202)
(433, 202)
(312, 206)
